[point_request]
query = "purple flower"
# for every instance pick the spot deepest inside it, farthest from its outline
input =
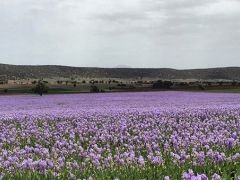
(188, 175)
(204, 177)
(50, 163)
(2, 176)
(71, 176)
(166, 178)
(216, 177)
(230, 143)
(43, 164)
(141, 161)
(157, 160)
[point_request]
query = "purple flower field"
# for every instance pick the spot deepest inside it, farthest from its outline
(154, 135)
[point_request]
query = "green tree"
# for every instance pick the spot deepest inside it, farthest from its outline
(94, 89)
(40, 88)
(162, 84)
(74, 83)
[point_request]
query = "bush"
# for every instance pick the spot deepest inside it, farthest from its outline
(162, 84)
(121, 85)
(40, 88)
(186, 84)
(234, 83)
(111, 87)
(59, 82)
(201, 87)
(132, 87)
(74, 84)
(94, 89)
(220, 83)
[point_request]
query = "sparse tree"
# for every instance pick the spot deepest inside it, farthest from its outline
(234, 83)
(220, 83)
(94, 89)
(34, 82)
(40, 88)
(201, 87)
(74, 83)
(59, 82)
(162, 84)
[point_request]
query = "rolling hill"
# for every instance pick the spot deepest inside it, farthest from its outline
(52, 71)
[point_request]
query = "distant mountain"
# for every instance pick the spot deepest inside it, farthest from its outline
(123, 66)
(52, 71)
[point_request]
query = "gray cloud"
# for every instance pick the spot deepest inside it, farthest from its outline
(138, 33)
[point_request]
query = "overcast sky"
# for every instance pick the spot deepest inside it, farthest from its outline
(106, 33)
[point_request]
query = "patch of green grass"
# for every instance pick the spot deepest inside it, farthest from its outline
(224, 91)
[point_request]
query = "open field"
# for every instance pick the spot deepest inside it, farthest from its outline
(157, 135)
(10, 89)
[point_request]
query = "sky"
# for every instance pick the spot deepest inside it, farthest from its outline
(181, 34)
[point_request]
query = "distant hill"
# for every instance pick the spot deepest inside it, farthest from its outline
(122, 66)
(52, 71)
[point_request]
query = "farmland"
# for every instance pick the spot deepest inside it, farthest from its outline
(145, 135)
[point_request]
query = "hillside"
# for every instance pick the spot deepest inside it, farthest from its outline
(52, 71)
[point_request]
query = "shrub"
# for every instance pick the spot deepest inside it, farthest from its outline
(74, 83)
(162, 84)
(234, 83)
(40, 88)
(59, 82)
(121, 85)
(132, 87)
(201, 87)
(94, 89)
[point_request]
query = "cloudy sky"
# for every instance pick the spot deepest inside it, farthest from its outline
(106, 33)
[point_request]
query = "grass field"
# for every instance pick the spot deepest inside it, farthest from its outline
(62, 89)
(85, 88)
(225, 90)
